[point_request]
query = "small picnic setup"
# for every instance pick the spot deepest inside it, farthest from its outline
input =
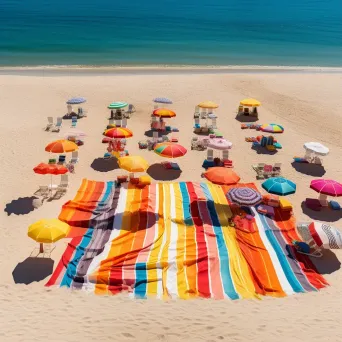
(218, 238)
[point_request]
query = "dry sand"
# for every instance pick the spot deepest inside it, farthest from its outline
(307, 104)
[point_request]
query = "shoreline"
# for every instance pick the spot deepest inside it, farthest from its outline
(160, 69)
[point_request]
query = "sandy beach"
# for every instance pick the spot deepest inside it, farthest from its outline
(306, 103)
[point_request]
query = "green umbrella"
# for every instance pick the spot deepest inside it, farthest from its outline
(117, 105)
(279, 186)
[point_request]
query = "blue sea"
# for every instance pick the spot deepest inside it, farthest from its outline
(171, 32)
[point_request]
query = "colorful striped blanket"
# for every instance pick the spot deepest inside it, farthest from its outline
(177, 240)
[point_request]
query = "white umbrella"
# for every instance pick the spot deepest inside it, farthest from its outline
(316, 147)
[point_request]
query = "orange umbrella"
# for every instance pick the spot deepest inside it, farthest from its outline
(222, 176)
(164, 113)
(61, 146)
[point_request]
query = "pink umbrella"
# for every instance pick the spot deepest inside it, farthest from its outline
(326, 187)
(219, 144)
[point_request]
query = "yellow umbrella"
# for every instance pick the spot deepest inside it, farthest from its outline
(208, 104)
(47, 231)
(133, 164)
(250, 103)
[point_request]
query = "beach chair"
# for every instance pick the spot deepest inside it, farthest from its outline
(64, 184)
(213, 123)
(197, 110)
(267, 171)
(73, 122)
(124, 122)
(210, 155)
(111, 122)
(130, 110)
(240, 109)
(42, 191)
(49, 124)
(277, 169)
(304, 232)
(61, 159)
(203, 114)
(118, 123)
(57, 127)
(74, 157)
(225, 155)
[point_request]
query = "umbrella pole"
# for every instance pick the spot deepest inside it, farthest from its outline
(41, 248)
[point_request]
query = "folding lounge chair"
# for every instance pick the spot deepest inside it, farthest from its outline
(58, 125)
(61, 159)
(277, 169)
(49, 124)
(73, 122)
(210, 155)
(303, 230)
(74, 157)
(124, 122)
(64, 184)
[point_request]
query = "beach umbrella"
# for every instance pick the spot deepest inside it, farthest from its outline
(133, 163)
(162, 100)
(219, 144)
(250, 103)
(208, 105)
(61, 146)
(117, 105)
(76, 100)
(317, 148)
(221, 175)
(325, 236)
(164, 113)
(118, 133)
(170, 150)
(48, 231)
(272, 128)
(327, 187)
(50, 169)
(279, 186)
(244, 196)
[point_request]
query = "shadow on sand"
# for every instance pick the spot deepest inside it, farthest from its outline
(149, 133)
(104, 165)
(325, 214)
(246, 118)
(309, 169)
(263, 150)
(158, 172)
(32, 269)
(20, 206)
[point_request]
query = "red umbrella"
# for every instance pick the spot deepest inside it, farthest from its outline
(170, 150)
(221, 175)
(50, 169)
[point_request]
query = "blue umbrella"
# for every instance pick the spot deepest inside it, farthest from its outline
(279, 186)
(162, 100)
(76, 100)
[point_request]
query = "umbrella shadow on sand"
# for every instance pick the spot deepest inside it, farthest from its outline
(32, 269)
(325, 214)
(20, 206)
(158, 172)
(149, 133)
(314, 170)
(246, 118)
(263, 150)
(104, 165)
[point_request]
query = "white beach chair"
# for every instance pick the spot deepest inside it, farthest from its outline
(197, 121)
(69, 107)
(58, 125)
(197, 110)
(74, 157)
(64, 184)
(49, 124)
(213, 123)
(42, 191)
(155, 136)
(225, 155)
(118, 123)
(210, 155)
(277, 169)
(130, 110)
(124, 122)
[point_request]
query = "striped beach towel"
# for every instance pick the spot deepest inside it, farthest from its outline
(170, 240)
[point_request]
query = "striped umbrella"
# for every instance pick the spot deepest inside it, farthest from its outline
(164, 113)
(118, 133)
(117, 105)
(272, 128)
(162, 100)
(279, 186)
(244, 196)
(170, 150)
(76, 100)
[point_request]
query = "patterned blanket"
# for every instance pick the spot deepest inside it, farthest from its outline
(177, 240)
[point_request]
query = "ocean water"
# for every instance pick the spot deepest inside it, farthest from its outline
(171, 32)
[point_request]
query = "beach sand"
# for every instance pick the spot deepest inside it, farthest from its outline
(306, 104)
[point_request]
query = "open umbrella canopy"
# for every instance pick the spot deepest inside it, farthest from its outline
(133, 163)
(61, 146)
(208, 104)
(250, 103)
(327, 187)
(170, 150)
(317, 148)
(162, 100)
(272, 128)
(118, 133)
(279, 186)
(117, 105)
(219, 144)
(244, 196)
(76, 100)
(164, 113)
(221, 175)
(50, 169)
(48, 230)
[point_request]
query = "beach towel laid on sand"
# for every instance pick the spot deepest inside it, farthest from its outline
(172, 240)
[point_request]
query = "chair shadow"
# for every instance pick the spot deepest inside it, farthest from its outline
(20, 206)
(309, 169)
(72, 115)
(104, 165)
(325, 214)
(158, 172)
(149, 133)
(246, 118)
(32, 269)
(328, 263)
(263, 150)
